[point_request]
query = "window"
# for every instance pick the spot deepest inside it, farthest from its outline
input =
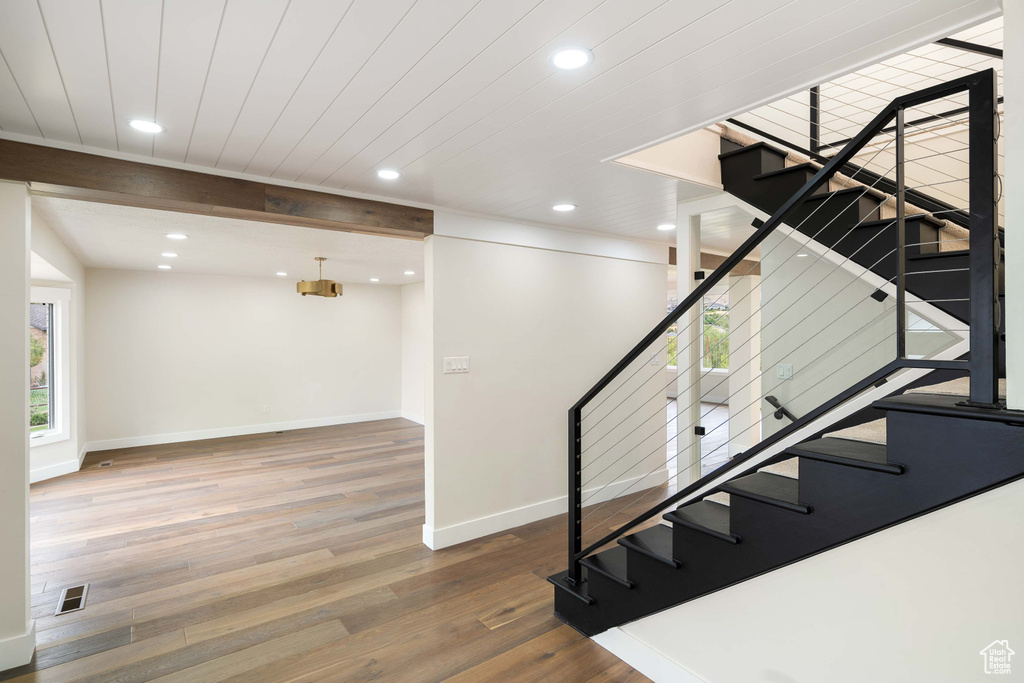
(49, 391)
(42, 417)
(715, 332)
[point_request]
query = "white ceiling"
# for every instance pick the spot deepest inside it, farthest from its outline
(129, 238)
(457, 94)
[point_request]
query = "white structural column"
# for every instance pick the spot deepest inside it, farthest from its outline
(688, 345)
(744, 362)
(1013, 149)
(17, 635)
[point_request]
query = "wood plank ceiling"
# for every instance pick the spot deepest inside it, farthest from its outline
(459, 95)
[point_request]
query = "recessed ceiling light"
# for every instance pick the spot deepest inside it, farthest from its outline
(281, 273)
(374, 279)
(169, 254)
(572, 57)
(388, 174)
(410, 272)
(665, 227)
(146, 126)
(801, 255)
(176, 236)
(163, 266)
(563, 207)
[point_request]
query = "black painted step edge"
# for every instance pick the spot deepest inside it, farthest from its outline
(646, 552)
(788, 169)
(756, 145)
(558, 581)
(937, 254)
(946, 407)
(682, 521)
(757, 497)
(593, 565)
(859, 191)
(883, 222)
(885, 468)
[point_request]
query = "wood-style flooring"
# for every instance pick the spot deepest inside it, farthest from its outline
(288, 557)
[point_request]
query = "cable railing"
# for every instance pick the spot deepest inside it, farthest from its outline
(837, 295)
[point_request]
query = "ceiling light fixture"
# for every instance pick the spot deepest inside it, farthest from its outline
(281, 273)
(374, 279)
(146, 126)
(665, 227)
(169, 254)
(176, 236)
(572, 57)
(388, 174)
(164, 266)
(801, 255)
(410, 272)
(564, 207)
(321, 287)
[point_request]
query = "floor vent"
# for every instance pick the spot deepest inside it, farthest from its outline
(72, 599)
(106, 463)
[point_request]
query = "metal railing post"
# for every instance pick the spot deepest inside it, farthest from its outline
(575, 494)
(901, 239)
(984, 240)
(815, 119)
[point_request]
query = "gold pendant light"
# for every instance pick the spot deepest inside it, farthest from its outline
(320, 287)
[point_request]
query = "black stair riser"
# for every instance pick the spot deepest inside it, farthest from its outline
(947, 460)
(744, 165)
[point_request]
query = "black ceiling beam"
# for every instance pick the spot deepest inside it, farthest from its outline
(971, 47)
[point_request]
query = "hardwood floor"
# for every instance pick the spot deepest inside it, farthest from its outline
(288, 557)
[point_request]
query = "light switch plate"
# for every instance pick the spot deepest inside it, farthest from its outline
(784, 371)
(456, 364)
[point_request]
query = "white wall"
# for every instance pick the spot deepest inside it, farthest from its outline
(17, 635)
(917, 602)
(414, 359)
(541, 325)
(171, 356)
(65, 456)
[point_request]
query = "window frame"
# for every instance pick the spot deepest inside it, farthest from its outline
(59, 360)
(714, 294)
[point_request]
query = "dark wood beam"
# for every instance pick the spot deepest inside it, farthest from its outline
(90, 177)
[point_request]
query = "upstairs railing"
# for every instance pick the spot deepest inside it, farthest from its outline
(630, 451)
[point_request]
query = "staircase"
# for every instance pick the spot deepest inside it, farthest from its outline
(803, 489)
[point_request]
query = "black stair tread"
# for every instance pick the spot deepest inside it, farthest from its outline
(882, 222)
(705, 516)
(789, 169)
(863, 454)
(756, 145)
(610, 563)
(847, 191)
(654, 542)
(938, 255)
(946, 406)
(579, 591)
(765, 487)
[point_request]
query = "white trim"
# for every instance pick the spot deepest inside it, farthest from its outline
(435, 539)
(644, 658)
(415, 417)
(178, 437)
(18, 650)
(54, 470)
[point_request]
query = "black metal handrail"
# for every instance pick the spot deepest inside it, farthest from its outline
(983, 363)
(780, 410)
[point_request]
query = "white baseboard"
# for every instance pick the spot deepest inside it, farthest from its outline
(435, 539)
(644, 658)
(178, 437)
(55, 470)
(415, 417)
(18, 650)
